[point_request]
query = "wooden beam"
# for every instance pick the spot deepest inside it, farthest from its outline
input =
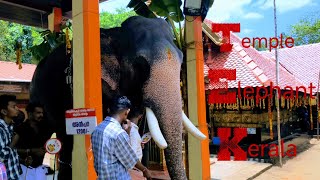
(18, 14)
(213, 36)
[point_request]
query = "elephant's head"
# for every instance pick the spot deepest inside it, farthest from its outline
(141, 61)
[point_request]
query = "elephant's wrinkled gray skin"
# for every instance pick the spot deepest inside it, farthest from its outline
(139, 60)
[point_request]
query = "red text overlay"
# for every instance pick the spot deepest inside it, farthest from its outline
(228, 145)
(220, 93)
(226, 28)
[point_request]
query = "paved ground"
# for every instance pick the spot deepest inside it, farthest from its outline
(242, 170)
(303, 167)
(236, 170)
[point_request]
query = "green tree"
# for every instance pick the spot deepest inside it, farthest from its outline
(111, 20)
(265, 47)
(258, 47)
(10, 34)
(307, 31)
(168, 9)
(50, 41)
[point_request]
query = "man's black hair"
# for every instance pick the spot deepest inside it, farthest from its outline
(19, 119)
(4, 101)
(119, 104)
(32, 106)
(135, 112)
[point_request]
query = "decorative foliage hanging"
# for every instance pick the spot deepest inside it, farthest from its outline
(52, 40)
(22, 44)
(18, 48)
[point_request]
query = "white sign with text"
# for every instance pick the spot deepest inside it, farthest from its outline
(80, 121)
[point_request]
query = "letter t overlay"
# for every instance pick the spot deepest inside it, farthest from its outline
(225, 28)
(226, 144)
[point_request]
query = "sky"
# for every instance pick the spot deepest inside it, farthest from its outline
(255, 16)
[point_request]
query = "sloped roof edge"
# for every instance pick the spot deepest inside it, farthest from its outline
(213, 36)
(9, 72)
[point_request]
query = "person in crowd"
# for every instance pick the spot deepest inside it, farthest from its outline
(33, 134)
(303, 116)
(19, 119)
(113, 155)
(135, 138)
(8, 139)
(3, 172)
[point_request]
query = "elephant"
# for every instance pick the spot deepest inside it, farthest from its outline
(138, 60)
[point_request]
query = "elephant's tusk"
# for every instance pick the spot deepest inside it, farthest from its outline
(155, 130)
(191, 128)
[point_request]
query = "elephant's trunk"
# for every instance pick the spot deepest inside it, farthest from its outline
(162, 96)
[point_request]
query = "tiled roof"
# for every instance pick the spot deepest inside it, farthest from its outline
(269, 66)
(232, 60)
(9, 71)
(253, 69)
(302, 61)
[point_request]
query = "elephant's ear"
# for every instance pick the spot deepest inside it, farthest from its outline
(135, 71)
(110, 71)
(142, 68)
(110, 67)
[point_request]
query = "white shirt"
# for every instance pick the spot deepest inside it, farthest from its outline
(135, 140)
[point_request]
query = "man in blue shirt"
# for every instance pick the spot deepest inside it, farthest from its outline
(113, 155)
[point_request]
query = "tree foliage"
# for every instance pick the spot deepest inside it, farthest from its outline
(111, 20)
(258, 47)
(168, 9)
(38, 43)
(307, 31)
(11, 34)
(51, 40)
(265, 47)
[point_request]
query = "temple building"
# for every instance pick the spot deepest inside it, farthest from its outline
(246, 79)
(15, 81)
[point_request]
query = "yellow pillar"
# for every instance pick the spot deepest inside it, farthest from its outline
(87, 91)
(199, 162)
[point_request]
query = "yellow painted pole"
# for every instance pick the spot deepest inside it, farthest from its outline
(199, 158)
(87, 91)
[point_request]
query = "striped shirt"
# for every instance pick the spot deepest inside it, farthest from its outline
(7, 155)
(113, 155)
